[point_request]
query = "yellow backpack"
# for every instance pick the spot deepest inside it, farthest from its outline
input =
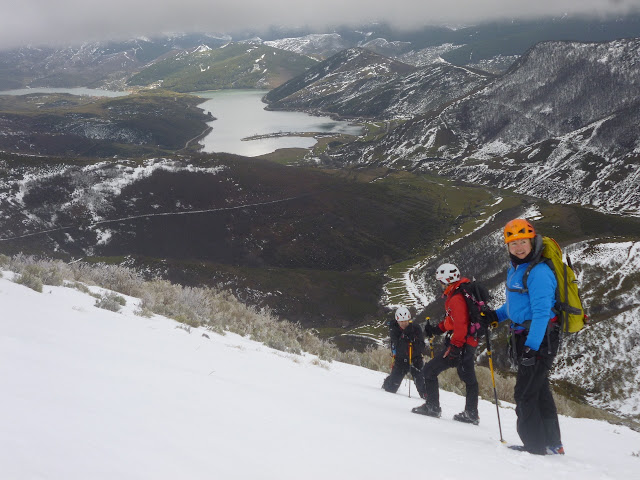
(568, 305)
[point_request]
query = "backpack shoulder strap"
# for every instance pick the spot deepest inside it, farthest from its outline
(464, 290)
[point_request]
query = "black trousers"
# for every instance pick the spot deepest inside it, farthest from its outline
(466, 372)
(400, 369)
(537, 425)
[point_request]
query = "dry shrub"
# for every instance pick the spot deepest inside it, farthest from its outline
(374, 358)
(111, 301)
(33, 271)
(112, 277)
(31, 281)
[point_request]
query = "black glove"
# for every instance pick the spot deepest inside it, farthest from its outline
(431, 330)
(489, 319)
(528, 357)
(453, 353)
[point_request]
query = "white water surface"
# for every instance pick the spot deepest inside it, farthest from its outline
(240, 114)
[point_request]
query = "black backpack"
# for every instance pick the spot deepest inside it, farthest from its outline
(477, 297)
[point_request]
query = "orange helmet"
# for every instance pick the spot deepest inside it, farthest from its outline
(517, 229)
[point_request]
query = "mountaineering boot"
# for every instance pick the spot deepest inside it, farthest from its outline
(429, 410)
(518, 448)
(555, 450)
(467, 417)
(522, 448)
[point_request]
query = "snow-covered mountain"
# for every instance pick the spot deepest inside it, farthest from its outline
(359, 83)
(89, 393)
(105, 64)
(562, 125)
(325, 45)
(492, 47)
(233, 65)
(320, 45)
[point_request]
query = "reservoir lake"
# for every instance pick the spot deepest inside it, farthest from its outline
(240, 114)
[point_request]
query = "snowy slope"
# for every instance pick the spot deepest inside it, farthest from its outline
(88, 393)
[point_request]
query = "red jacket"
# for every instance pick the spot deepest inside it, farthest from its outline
(457, 316)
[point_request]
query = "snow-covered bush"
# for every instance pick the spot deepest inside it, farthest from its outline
(35, 270)
(111, 301)
(29, 280)
(113, 277)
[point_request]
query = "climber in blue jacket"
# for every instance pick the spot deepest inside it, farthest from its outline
(535, 337)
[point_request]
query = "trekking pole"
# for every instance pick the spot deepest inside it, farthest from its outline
(493, 379)
(410, 353)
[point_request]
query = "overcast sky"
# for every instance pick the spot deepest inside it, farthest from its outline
(38, 22)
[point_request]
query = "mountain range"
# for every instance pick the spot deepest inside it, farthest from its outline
(491, 47)
(561, 124)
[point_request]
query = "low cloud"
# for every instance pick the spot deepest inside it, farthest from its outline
(46, 22)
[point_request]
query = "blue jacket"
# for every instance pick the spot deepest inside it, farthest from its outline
(535, 305)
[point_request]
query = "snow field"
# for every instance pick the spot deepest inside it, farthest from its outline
(89, 393)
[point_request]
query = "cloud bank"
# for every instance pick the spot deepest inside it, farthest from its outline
(46, 22)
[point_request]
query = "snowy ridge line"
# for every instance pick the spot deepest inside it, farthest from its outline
(162, 214)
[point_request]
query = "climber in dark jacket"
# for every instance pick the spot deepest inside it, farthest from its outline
(407, 346)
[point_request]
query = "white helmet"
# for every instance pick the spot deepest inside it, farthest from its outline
(403, 314)
(447, 273)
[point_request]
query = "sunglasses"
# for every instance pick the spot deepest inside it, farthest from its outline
(522, 230)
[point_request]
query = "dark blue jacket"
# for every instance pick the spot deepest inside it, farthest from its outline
(400, 340)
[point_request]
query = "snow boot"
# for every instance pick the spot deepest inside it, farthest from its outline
(388, 386)
(522, 448)
(555, 450)
(467, 417)
(429, 410)
(518, 448)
